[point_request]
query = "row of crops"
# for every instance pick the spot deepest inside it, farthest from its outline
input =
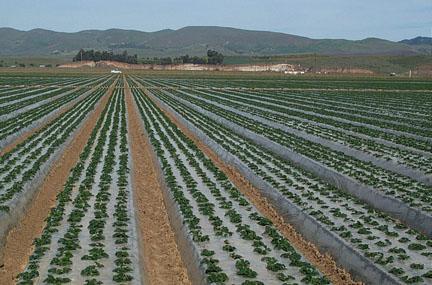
(389, 175)
(37, 106)
(231, 241)
(90, 236)
(10, 81)
(351, 171)
(255, 130)
(278, 82)
(23, 168)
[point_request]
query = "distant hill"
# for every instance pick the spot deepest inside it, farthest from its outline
(190, 40)
(422, 44)
(418, 41)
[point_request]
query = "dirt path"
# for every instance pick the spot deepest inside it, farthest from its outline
(324, 263)
(161, 259)
(19, 243)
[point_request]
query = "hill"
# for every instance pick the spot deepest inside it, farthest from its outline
(418, 41)
(190, 40)
(422, 44)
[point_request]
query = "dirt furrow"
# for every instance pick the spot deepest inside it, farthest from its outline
(160, 256)
(323, 262)
(19, 243)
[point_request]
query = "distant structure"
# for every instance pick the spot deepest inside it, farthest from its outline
(116, 71)
(294, 72)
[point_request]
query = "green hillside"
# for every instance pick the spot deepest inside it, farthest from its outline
(189, 40)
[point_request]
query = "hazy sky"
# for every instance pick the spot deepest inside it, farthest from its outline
(351, 19)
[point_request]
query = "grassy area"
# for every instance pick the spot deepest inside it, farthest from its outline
(380, 65)
(32, 61)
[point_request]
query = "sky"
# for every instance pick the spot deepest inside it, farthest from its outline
(349, 19)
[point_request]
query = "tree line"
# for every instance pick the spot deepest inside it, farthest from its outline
(105, 55)
(212, 57)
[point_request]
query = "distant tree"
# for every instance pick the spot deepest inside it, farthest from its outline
(177, 60)
(104, 55)
(166, 60)
(198, 60)
(214, 57)
(97, 56)
(185, 58)
(22, 65)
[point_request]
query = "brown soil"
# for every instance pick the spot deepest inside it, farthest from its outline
(27, 134)
(324, 262)
(160, 257)
(19, 243)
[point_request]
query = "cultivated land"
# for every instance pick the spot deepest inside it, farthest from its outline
(214, 178)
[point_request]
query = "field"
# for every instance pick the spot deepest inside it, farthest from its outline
(214, 178)
(420, 65)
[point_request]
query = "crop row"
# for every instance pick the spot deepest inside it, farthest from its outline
(29, 93)
(259, 106)
(21, 104)
(357, 128)
(90, 236)
(364, 103)
(234, 243)
(387, 127)
(391, 246)
(338, 138)
(18, 90)
(22, 93)
(28, 80)
(374, 102)
(303, 83)
(21, 165)
(414, 194)
(29, 102)
(26, 119)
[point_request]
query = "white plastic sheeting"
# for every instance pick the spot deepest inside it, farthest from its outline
(326, 126)
(20, 202)
(189, 253)
(417, 175)
(9, 139)
(415, 218)
(359, 266)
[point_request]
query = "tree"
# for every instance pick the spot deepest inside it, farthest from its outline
(105, 55)
(214, 57)
(166, 60)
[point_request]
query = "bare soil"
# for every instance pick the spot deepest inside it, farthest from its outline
(161, 258)
(324, 262)
(19, 243)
